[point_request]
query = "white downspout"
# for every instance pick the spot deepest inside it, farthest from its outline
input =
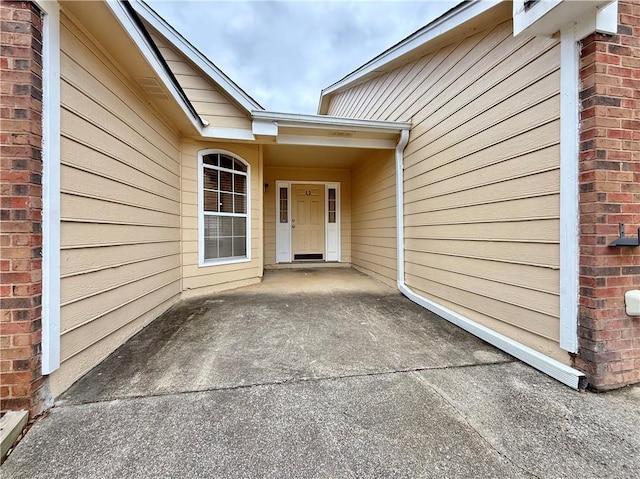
(563, 373)
(402, 143)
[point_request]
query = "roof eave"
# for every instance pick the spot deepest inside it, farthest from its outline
(450, 20)
(133, 29)
(330, 122)
(187, 49)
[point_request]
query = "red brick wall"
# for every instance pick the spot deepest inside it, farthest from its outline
(609, 340)
(21, 381)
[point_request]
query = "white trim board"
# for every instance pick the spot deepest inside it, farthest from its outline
(294, 120)
(569, 196)
(563, 373)
(50, 186)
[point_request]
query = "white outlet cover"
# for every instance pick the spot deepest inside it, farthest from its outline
(632, 302)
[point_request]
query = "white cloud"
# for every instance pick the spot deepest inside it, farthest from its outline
(283, 53)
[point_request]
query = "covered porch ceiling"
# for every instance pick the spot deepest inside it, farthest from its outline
(308, 156)
(313, 141)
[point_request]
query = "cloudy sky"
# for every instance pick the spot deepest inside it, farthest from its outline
(283, 53)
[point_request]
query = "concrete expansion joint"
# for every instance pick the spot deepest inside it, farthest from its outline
(303, 379)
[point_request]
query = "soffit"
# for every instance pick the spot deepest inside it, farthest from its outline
(302, 156)
(98, 22)
(192, 69)
(335, 133)
(480, 22)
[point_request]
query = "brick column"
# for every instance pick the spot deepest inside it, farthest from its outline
(609, 340)
(21, 380)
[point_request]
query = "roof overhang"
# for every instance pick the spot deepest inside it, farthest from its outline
(534, 18)
(547, 17)
(126, 18)
(191, 52)
(273, 128)
(448, 22)
(316, 130)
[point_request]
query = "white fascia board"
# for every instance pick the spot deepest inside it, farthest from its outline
(217, 133)
(323, 122)
(240, 96)
(607, 19)
(264, 127)
(50, 187)
(447, 22)
(547, 17)
(130, 26)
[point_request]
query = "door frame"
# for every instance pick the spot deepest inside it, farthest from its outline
(284, 250)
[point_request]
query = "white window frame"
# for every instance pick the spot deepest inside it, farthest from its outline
(202, 262)
(332, 229)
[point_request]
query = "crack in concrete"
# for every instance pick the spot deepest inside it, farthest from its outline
(70, 403)
(473, 428)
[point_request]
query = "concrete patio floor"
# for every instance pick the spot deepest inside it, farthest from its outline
(327, 374)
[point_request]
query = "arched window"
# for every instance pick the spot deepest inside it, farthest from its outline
(224, 205)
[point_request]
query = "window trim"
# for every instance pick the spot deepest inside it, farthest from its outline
(202, 262)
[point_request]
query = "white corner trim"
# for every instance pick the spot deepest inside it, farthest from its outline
(240, 96)
(557, 370)
(50, 186)
(124, 18)
(569, 199)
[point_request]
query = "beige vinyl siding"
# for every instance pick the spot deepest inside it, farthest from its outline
(373, 212)
(120, 209)
(207, 98)
(481, 178)
(301, 175)
(198, 280)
